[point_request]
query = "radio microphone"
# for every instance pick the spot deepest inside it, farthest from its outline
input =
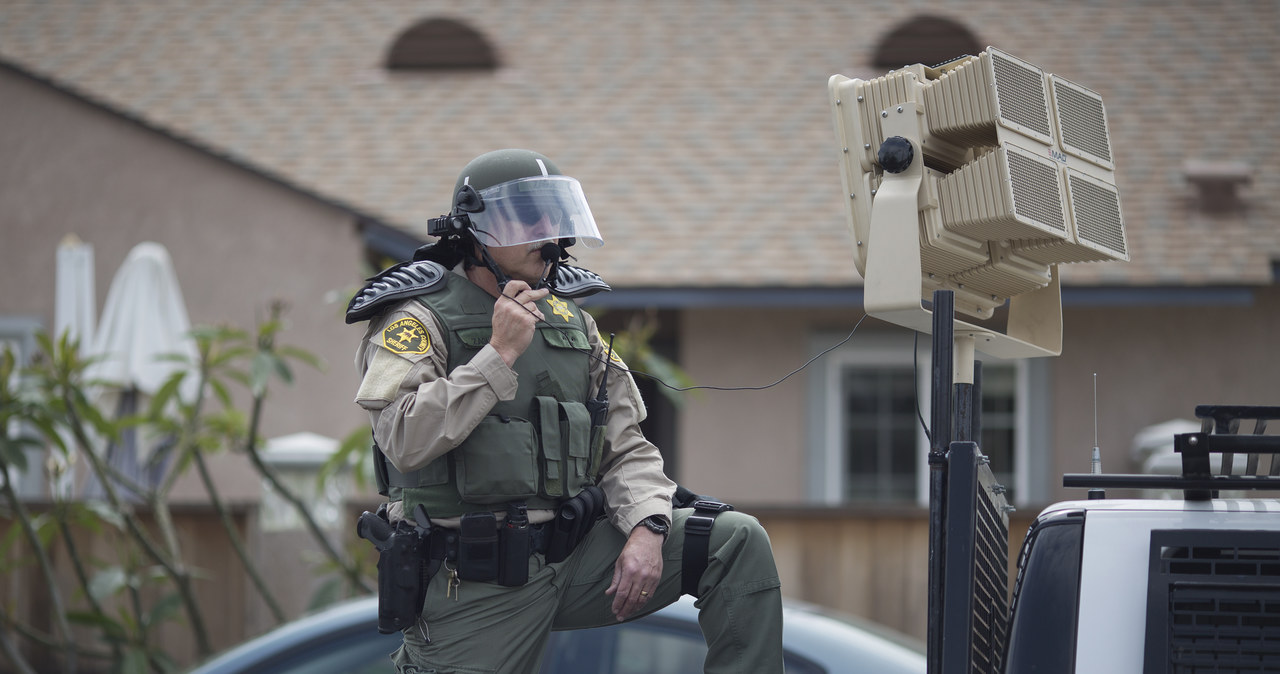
(550, 253)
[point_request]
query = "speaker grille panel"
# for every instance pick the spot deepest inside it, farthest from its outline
(1095, 207)
(1021, 96)
(1082, 123)
(1037, 194)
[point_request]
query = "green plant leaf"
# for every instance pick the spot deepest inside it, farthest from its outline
(168, 607)
(135, 661)
(107, 582)
(260, 373)
(220, 390)
(299, 354)
(350, 454)
(282, 369)
(105, 513)
(13, 452)
(329, 592)
(166, 392)
(112, 630)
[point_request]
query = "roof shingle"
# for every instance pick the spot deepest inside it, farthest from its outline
(700, 130)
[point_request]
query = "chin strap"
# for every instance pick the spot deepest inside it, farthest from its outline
(488, 262)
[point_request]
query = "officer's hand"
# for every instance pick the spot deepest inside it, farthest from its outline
(637, 572)
(514, 318)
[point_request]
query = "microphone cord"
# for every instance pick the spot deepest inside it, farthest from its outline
(682, 389)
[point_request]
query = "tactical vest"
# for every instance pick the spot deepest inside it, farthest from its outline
(540, 447)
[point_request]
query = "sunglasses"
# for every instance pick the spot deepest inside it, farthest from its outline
(530, 213)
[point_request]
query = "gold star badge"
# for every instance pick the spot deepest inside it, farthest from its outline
(406, 335)
(560, 308)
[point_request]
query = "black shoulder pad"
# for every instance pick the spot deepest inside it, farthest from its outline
(394, 284)
(577, 282)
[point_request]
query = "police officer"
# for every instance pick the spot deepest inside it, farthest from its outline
(477, 379)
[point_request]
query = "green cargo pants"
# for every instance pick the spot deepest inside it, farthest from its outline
(485, 627)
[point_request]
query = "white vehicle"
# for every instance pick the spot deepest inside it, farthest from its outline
(1156, 585)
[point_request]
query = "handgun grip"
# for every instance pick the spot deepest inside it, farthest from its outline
(375, 530)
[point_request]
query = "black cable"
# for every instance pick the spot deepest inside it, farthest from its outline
(683, 389)
(915, 376)
(807, 363)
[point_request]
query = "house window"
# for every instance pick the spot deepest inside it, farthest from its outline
(879, 426)
(870, 445)
(441, 44)
(930, 40)
(18, 337)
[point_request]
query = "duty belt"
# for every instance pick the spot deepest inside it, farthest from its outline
(445, 541)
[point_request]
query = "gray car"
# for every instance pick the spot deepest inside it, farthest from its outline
(344, 640)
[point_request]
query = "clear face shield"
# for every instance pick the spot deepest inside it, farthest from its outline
(533, 210)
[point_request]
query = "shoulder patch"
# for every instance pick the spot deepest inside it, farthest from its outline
(394, 284)
(407, 335)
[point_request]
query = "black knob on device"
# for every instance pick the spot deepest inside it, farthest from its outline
(895, 154)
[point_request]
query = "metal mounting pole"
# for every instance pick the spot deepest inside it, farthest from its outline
(965, 365)
(940, 416)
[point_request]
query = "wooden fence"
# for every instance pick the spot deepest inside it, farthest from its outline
(221, 588)
(870, 564)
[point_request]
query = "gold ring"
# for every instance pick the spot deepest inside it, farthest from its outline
(643, 593)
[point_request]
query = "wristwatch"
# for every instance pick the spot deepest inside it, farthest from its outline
(657, 524)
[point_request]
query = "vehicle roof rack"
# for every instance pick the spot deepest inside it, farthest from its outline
(1218, 435)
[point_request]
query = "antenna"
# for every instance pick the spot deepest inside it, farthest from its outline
(1095, 463)
(598, 407)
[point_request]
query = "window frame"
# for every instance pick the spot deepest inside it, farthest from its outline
(21, 331)
(894, 349)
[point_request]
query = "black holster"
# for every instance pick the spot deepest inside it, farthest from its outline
(573, 520)
(402, 582)
(404, 567)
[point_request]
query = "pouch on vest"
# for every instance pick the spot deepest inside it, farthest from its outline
(578, 440)
(497, 463)
(478, 547)
(565, 436)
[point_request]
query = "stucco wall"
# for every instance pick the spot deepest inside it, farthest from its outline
(745, 446)
(238, 241)
(1154, 363)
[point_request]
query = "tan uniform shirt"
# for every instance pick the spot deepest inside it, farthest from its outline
(419, 412)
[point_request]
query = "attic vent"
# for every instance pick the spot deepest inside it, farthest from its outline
(441, 44)
(1218, 182)
(929, 40)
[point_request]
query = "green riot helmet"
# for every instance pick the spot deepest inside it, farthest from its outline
(514, 197)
